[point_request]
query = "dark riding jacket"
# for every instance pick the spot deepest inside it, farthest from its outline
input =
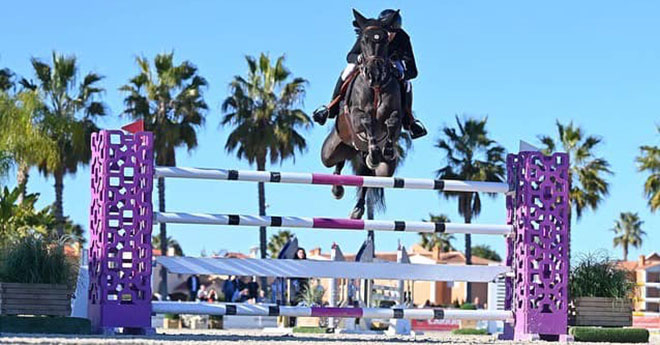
(400, 49)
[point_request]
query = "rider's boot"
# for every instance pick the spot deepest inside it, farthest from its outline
(412, 125)
(322, 113)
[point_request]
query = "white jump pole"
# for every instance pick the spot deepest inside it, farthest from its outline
(331, 179)
(206, 308)
(330, 223)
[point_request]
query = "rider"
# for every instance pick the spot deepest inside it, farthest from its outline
(402, 56)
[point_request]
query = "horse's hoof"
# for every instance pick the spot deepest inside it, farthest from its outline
(357, 213)
(338, 191)
(373, 159)
(370, 163)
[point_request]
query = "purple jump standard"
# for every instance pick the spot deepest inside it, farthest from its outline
(121, 220)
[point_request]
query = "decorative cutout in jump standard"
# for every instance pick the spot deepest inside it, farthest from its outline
(122, 217)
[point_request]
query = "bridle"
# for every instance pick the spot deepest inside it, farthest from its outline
(384, 62)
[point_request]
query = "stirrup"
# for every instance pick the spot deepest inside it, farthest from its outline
(417, 129)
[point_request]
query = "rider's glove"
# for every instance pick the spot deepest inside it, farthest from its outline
(399, 72)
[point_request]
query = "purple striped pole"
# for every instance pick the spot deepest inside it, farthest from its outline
(206, 308)
(332, 179)
(337, 312)
(330, 223)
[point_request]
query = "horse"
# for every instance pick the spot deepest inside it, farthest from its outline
(369, 124)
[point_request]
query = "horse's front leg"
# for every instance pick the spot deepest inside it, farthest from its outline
(393, 124)
(374, 155)
(338, 190)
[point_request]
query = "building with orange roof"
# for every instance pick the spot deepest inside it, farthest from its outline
(646, 273)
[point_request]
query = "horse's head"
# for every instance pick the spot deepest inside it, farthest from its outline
(374, 42)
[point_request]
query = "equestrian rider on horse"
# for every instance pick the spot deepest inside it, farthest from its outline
(402, 57)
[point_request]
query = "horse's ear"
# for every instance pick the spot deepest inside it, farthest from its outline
(360, 20)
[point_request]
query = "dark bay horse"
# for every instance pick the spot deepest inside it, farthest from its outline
(370, 121)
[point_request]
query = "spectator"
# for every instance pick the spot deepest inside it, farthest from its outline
(253, 288)
(301, 254)
(230, 286)
(202, 294)
(212, 296)
(240, 295)
(299, 283)
(262, 297)
(277, 291)
(193, 286)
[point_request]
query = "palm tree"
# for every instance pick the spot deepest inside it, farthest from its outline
(22, 135)
(69, 109)
(486, 252)
(590, 186)
(429, 241)
(171, 243)
(649, 161)
(6, 79)
(170, 101)
(628, 231)
(20, 218)
(470, 155)
(277, 242)
(263, 109)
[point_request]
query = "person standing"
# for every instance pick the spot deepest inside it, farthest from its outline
(193, 287)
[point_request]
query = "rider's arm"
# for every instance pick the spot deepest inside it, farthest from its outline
(408, 58)
(352, 56)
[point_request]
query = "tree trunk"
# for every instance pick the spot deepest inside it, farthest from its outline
(22, 177)
(625, 252)
(261, 166)
(162, 289)
(468, 248)
(59, 203)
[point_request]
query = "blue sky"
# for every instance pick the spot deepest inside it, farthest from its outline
(523, 64)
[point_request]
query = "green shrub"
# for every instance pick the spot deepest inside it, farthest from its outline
(315, 330)
(171, 316)
(595, 275)
(33, 260)
(611, 335)
(469, 331)
(468, 306)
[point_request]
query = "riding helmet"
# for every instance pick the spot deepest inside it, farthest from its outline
(386, 14)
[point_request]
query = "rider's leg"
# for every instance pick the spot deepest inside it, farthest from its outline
(322, 113)
(334, 109)
(414, 126)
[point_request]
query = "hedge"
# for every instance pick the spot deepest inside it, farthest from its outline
(610, 335)
(469, 331)
(39, 324)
